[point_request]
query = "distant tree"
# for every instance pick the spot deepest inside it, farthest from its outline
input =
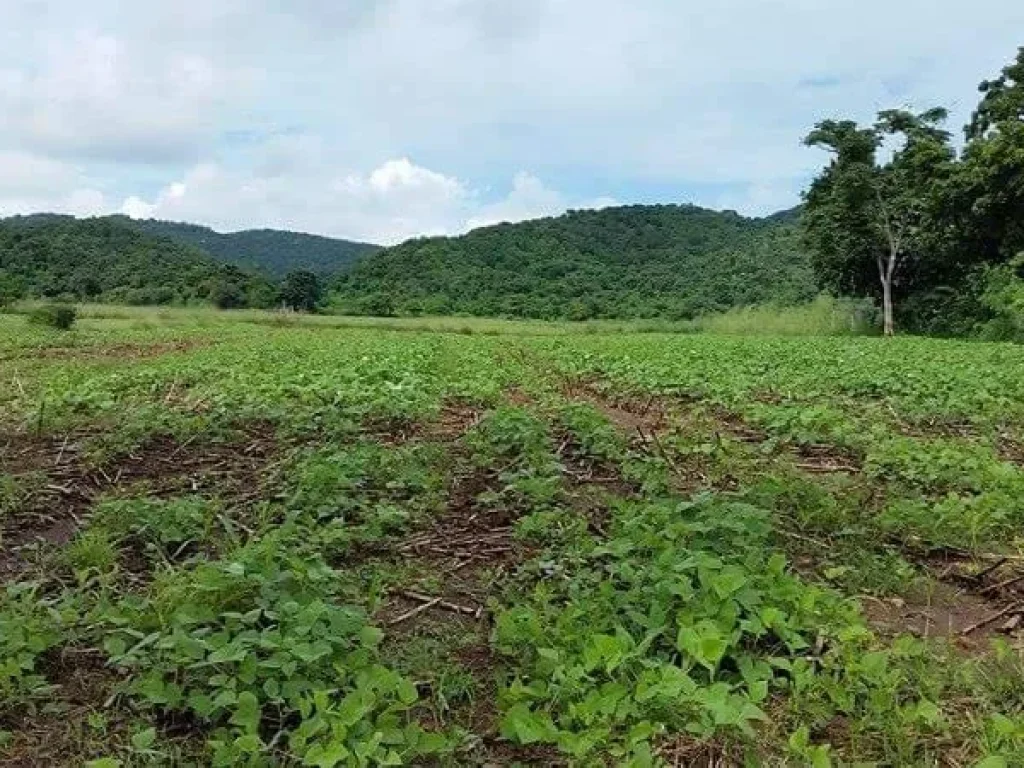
(301, 290)
(377, 305)
(985, 201)
(1002, 101)
(226, 294)
(87, 285)
(11, 289)
(867, 223)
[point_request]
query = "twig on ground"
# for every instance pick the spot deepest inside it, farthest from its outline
(441, 603)
(993, 588)
(1015, 608)
(63, 447)
(415, 611)
(801, 537)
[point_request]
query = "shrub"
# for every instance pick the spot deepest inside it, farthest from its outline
(59, 316)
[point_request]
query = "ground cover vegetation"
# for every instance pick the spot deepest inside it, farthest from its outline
(234, 542)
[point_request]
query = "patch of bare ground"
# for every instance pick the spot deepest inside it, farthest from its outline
(682, 751)
(933, 428)
(108, 352)
(460, 558)
(628, 412)
(1010, 448)
(946, 613)
(66, 484)
(827, 459)
(59, 733)
(969, 600)
(650, 421)
(454, 418)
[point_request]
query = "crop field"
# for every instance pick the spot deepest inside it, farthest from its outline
(243, 542)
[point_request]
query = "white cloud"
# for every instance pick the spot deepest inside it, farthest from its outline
(30, 183)
(390, 203)
(95, 96)
(301, 112)
(529, 199)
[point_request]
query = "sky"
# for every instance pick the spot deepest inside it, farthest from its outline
(380, 120)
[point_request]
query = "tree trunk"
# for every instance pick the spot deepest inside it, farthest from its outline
(889, 326)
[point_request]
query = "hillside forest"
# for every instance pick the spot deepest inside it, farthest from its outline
(925, 223)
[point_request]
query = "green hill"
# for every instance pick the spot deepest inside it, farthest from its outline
(276, 252)
(107, 259)
(635, 261)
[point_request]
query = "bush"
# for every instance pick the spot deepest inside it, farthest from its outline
(1003, 296)
(59, 316)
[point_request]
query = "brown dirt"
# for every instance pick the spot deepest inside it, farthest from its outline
(647, 422)
(827, 459)
(234, 471)
(946, 613)
(463, 554)
(626, 412)
(970, 601)
(59, 735)
(932, 428)
(455, 419)
(99, 353)
(1011, 449)
(682, 751)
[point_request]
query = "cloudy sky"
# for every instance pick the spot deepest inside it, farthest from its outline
(384, 119)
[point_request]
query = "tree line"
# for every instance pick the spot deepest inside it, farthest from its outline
(933, 233)
(108, 260)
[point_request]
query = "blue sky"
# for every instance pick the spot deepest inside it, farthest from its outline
(386, 119)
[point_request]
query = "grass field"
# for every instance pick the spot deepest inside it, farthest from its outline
(248, 540)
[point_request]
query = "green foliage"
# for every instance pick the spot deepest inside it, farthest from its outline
(867, 222)
(167, 526)
(226, 294)
(31, 624)
(273, 251)
(108, 259)
(363, 492)
(11, 289)
(258, 644)
(630, 618)
(58, 316)
(693, 641)
(301, 291)
(944, 220)
(637, 261)
(825, 316)
(1003, 296)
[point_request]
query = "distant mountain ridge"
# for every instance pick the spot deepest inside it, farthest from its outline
(106, 259)
(274, 251)
(631, 261)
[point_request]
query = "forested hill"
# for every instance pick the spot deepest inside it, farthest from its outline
(107, 259)
(275, 251)
(635, 261)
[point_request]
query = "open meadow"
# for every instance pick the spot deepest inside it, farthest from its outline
(247, 539)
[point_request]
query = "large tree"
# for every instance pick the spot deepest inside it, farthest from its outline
(868, 222)
(986, 198)
(301, 290)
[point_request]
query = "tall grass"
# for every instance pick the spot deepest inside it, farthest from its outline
(825, 316)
